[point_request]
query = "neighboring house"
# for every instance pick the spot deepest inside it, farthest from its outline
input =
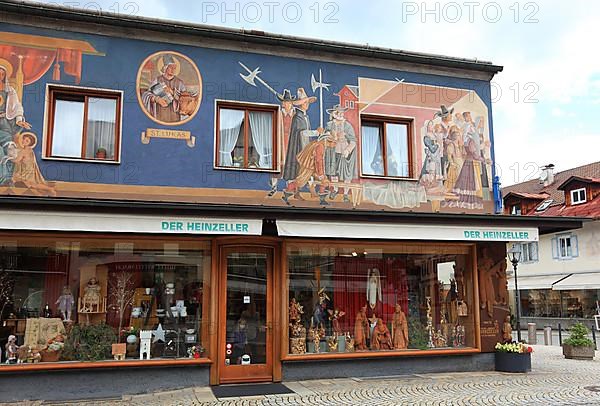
(559, 276)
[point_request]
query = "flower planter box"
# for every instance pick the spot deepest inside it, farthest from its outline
(513, 362)
(583, 353)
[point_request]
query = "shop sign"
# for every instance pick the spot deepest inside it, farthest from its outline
(205, 227)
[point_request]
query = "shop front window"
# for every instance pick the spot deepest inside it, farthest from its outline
(353, 298)
(560, 303)
(96, 299)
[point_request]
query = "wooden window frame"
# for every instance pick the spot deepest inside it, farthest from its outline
(246, 108)
(381, 122)
(53, 92)
(409, 247)
(210, 283)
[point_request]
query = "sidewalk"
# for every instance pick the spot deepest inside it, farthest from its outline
(553, 381)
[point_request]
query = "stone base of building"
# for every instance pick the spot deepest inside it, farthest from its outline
(373, 367)
(78, 384)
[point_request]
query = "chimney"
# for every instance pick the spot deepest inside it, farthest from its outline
(547, 175)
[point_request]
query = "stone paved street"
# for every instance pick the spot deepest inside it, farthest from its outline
(553, 381)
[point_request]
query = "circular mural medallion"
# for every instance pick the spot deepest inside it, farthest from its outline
(169, 88)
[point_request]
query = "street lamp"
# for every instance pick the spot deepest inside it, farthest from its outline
(514, 256)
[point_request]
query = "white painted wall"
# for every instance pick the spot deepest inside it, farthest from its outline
(588, 260)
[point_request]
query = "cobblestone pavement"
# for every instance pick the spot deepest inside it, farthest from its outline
(553, 381)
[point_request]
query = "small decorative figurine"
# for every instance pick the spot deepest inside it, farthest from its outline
(91, 296)
(381, 339)
(361, 330)
(316, 333)
(118, 351)
(332, 344)
(11, 350)
(335, 316)
(145, 338)
(459, 339)
(507, 330)
(65, 303)
(430, 331)
(349, 343)
(400, 329)
(296, 311)
(463, 309)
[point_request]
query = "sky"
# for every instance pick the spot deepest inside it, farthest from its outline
(545, 100)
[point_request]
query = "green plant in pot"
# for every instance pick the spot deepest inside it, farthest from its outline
(89, 343)
(578, 345)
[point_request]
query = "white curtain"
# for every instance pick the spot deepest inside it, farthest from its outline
(370, 147)
(397, 149)
(101, 125)
(261, 125)
(230, 122)
(67, 134)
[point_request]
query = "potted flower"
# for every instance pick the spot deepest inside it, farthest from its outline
(513, 357)
(578, 345)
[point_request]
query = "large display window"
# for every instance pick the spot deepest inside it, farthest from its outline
(104, 298)
(369, 298)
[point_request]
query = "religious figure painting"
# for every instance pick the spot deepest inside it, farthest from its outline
(169, 88)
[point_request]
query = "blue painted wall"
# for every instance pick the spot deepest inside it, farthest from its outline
(166, 162)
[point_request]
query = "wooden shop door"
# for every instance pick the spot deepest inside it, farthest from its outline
(246, 315)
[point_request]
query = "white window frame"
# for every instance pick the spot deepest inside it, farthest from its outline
(513, 210)
(577, 193)
(561, 244)
(530, 252)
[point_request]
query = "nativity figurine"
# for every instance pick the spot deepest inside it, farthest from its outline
(381, 338)
(400, 329)
(361, 330)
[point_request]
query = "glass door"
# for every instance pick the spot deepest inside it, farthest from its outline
(245, 339)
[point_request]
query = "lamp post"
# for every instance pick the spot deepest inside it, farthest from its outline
(514, 256)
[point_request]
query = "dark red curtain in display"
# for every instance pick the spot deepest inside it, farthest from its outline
(350, 287)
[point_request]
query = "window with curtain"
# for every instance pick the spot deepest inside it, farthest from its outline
(385, 148)
(83, 124)
(245, 137)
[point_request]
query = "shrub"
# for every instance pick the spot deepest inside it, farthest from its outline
(89, 343)
(579, 336)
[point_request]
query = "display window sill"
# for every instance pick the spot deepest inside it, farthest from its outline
(378, 354)
(45, 366)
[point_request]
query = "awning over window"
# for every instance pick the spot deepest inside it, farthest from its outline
(578, 281)
(392, 231)
(536, 282)
(126, 223)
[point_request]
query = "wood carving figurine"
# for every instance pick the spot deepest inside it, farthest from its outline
(335, 316)
(381, 339)
(400, 329)
(507, 330)
(361, 328)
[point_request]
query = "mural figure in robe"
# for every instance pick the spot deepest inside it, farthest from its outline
(286, 115)
(167, 98)
(340, 160)
(300, 135)
(12, 122)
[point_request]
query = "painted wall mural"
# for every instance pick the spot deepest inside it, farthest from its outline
(447, 160)
(24, 60)
(169, 88)
(346, 136)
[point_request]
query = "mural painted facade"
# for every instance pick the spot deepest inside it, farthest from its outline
(340, 136)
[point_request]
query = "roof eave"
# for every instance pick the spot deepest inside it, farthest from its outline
(258, 37)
